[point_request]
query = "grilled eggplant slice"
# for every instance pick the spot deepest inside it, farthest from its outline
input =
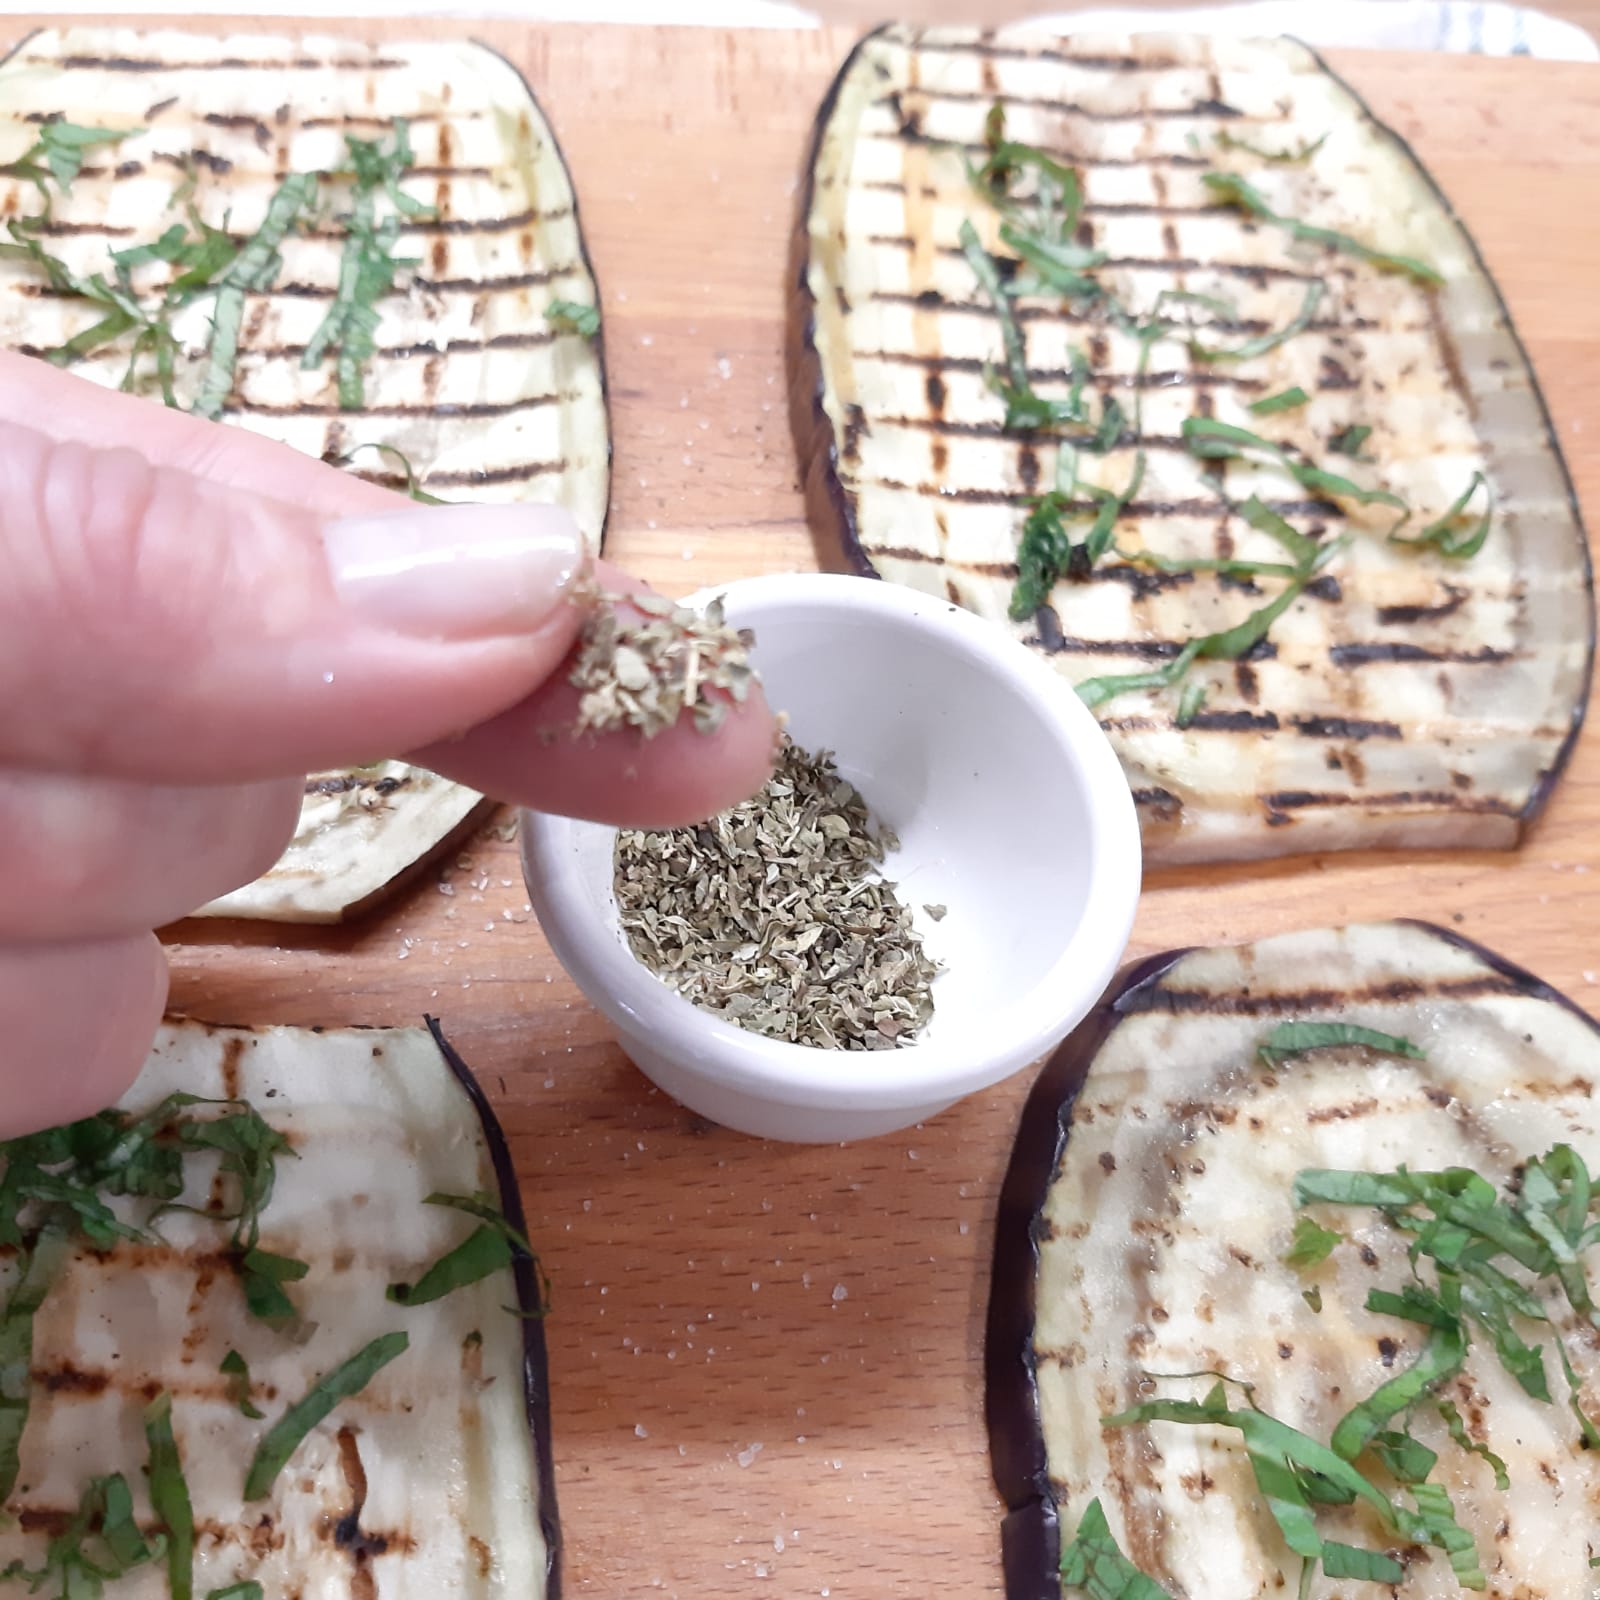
(1405, 699)
(434, 1479)
(1143, 1221)
(473, 387)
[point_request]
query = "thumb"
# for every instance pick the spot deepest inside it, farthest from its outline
(157, 625)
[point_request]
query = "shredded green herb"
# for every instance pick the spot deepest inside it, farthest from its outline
(1222, 441)
(1311, 1245)
(1291, 1039)
(1454, 1421)
(571, 316)
(58, 152)
(1261, 343)
(253, 269)
(388, 451)
(1092, 1562)
(237, 1369)
(169, 1496)
(248, 1590)
(285, 1436)
(488, 1249)
(368, 265)
(1284, 400)
(1296, 156)
(1446, 535)
(1348, 442)
(1189, 704)
(102, 1542)
(1233, 190)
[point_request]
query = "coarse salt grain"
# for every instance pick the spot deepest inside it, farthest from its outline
(747, 1456)
(840, 1293)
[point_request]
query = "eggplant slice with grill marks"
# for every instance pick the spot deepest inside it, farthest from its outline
(430, 1481)
(1404, 699)
(1145, 1214)
(477, 392)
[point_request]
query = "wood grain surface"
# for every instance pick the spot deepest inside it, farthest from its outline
(766, 1359)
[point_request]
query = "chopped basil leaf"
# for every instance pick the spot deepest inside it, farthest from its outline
(1408, 1459)
(570, 316)
(486, 1250)
(988, 276)
(1444, 535)
(1092, 1562)
(262, 1276)
(1312, 1297)
(413, 487)
(248, 1590)
(1300, 153)
(1454, 1421)
(100, 1542)
(1222, 441)
(254, 268)
(1263, 342)
(1284, 400)
(1189, 704)
(284, 1437)
(1350, 1561)
(1311, 1244)
(1441, 1357)
(1348, 442)
(59, 150)
(482, 1253)
(1046, 552)
(1233, 190)
(236, 1368)
(1291, 1039)
(1096, 691)
(368, 264)
(1434, 1522)
(169, 1496)
(37, 1271)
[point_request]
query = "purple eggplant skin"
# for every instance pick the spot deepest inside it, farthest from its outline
(829, 511)
(1030, 1535)
(831, 514)
(531, 1303)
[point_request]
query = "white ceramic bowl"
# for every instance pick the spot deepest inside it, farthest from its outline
(1012, 812)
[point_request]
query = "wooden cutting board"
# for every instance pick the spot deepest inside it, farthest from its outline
(766, 1359)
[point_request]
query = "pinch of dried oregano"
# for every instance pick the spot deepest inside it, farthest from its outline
(644, 671)
(775, 916)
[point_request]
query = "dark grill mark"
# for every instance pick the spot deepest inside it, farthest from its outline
(1346, 728)
(1359, 655)
(1135, 508)
(1394, 991)
(1352, 1112)
(67, 1379)
(1406, 614)
(223, 64)
(1432, 799)
(1235, 721)
(1215, 109)
(518, 472)
(1067, 157)
(347, 782)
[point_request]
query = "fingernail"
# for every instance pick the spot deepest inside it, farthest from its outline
(456, 572)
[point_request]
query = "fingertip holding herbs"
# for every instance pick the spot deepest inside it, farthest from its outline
(645, 671)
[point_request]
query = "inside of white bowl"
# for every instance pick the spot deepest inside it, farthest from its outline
(976, 778)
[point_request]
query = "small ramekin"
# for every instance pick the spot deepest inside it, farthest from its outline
(1013, 813)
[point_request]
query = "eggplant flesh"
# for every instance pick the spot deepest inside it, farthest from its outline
(434, 1480)
(1143, 1220)
(480, 394)
(1405, 700)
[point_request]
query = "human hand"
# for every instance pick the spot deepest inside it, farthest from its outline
(191, 619)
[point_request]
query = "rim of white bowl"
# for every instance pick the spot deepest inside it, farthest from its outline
(618, 984)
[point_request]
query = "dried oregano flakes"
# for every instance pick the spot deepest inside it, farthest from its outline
(645, 670)
(775, 915)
